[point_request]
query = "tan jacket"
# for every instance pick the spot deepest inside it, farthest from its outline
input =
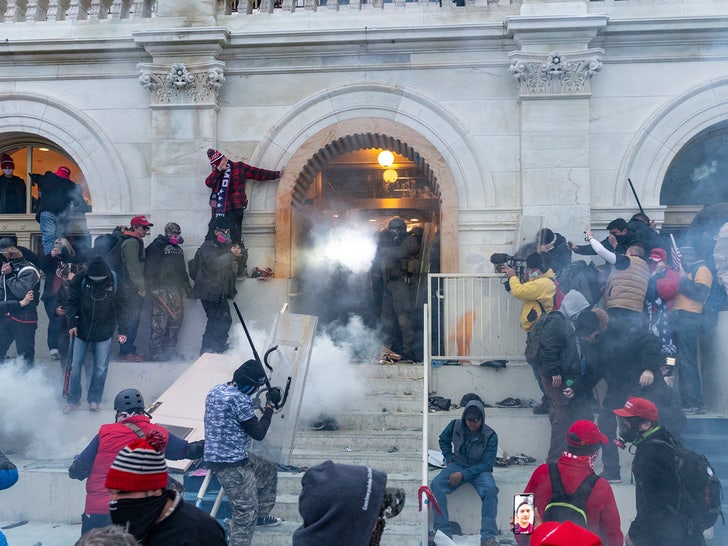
(626, 288)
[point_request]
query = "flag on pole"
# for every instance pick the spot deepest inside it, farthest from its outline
(675, 256)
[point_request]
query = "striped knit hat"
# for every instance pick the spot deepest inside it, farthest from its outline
(138, 467)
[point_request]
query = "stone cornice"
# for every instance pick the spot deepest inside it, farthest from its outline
(556, 75)
(181, 86)
(164, 45)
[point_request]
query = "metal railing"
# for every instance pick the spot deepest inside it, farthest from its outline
(473, 318)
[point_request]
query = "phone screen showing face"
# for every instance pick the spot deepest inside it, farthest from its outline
(523, 512)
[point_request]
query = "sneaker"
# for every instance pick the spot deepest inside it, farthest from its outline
(611, 478)
(541, 409)
(509, 403)
(93, 406)
(268, 521)
(71, 407)
(55, 355)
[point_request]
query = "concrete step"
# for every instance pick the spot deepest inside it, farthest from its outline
(390, 371)
(381, 420)
(394, 534)
(409, 440)
(391, 402)
(400, 461)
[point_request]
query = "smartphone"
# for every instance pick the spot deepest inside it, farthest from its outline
(523, 514)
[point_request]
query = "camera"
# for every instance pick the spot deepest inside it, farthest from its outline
(501, 260)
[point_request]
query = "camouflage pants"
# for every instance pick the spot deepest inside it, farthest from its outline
(251, 491)
(167, 316)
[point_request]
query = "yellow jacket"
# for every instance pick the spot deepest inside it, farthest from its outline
(540, 290)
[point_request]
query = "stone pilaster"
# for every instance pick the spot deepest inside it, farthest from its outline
(553, 69)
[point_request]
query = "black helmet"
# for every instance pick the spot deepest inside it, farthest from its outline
(397, 224)
(128, 400)
(250, 374)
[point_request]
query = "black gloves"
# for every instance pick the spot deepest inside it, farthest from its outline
(273, 396)
(195, 450)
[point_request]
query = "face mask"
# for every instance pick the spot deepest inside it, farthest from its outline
(533, 274)
(140, 514)
(222, 239)
(7, 172)
(249, 390)
(173, 240)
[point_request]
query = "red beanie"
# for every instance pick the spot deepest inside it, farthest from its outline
(6, 162)
(214, 156)
(139, 467)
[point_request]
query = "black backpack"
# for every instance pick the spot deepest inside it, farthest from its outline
(562, 507)
(108, 247)
(701, 493)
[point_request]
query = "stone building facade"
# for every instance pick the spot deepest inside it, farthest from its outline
(513, 109)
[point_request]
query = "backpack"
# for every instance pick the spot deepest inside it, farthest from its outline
(562, 507)
(533, 339)
(108, 247)
(701, 493)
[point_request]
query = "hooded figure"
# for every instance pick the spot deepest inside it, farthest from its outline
(469, 448)
(558, 364)
(339, 504)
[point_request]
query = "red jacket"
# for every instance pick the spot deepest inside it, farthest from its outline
(601, 508)
(112, 439)
(239, 172)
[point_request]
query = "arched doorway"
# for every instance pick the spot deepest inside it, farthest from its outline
(341, 204)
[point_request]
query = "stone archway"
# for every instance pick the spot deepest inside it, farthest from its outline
(78, 135)
(386, 110)
(659, 139)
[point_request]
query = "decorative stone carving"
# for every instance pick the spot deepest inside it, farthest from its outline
(560, 74)
(180, 85)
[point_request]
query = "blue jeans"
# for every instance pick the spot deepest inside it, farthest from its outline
(686, 335)
(50, 229)
(101, 351)
(484, 484)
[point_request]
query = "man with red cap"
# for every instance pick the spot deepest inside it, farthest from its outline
(132, 282)
(576, 464)
(657, 486)
(155, 515)
(12, 188)
(228, 197)
(59, 198)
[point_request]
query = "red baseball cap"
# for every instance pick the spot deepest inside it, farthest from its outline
(63, 172)
(140, 221)
(554, 533)
(658, 255)
(638, 407)
(585, 433)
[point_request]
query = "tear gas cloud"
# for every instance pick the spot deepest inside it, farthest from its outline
(32, 422)
(348, 245)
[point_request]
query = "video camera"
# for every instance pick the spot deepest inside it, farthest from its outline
(501, 260)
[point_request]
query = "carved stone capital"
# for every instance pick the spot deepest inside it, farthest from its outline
(180, 85)
(557, 74)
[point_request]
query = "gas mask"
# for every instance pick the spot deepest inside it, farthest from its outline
(629, 430)
(174, 240)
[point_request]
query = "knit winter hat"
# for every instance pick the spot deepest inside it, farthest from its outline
(339, 504)
(140, 466)
(6, 162)
(214, 156)
(554, 533)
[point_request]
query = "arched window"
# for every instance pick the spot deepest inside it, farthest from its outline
(20, 159)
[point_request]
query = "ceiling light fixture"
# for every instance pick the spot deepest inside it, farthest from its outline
(385, 158)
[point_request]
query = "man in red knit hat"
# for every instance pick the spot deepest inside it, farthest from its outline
(155, 515)
(228, 197)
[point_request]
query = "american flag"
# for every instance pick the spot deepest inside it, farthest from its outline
(675, 256)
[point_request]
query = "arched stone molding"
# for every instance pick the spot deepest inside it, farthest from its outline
(661, 137)
(387, 110)
(79, 136)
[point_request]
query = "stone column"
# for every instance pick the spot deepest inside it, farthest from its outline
(553, 70)
(184, 81)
